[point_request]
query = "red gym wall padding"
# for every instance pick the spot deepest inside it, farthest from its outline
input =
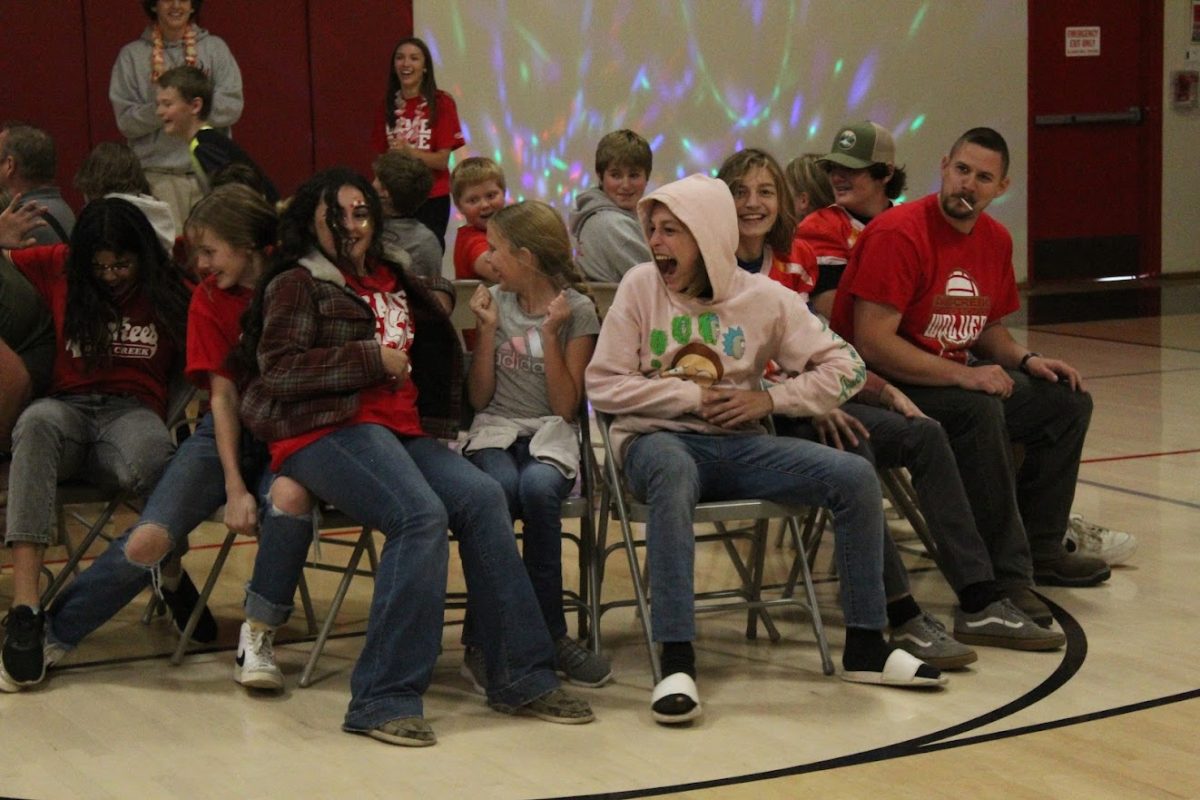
(314, 73)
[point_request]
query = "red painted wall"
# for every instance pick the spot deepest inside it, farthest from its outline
(314, 73)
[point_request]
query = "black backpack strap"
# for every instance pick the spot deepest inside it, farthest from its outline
(59, 230)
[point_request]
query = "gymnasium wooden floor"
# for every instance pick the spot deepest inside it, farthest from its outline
(1113, 715)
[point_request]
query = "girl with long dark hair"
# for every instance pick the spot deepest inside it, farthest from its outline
(120, 313)
(421, 120)
(357, 370)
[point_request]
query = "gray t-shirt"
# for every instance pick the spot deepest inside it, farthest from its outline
(520, 366)
(402, 233)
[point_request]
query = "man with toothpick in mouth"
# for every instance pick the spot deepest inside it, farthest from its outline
(923, 300)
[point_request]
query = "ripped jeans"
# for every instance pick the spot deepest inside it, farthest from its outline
(191, 489)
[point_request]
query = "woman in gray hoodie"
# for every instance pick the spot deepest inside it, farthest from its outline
(170, 40)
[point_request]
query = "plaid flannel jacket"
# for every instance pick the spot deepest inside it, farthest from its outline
(318, 350)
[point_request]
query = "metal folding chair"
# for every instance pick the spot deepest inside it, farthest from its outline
(748, 596)
(580, 506)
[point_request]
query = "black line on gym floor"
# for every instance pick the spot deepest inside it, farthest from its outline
(1073, 657)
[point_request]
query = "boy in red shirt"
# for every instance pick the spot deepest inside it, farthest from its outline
(477, 185)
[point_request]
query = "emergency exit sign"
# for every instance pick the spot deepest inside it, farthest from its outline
(1083, 41)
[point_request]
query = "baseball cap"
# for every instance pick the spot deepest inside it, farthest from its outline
(860, 145)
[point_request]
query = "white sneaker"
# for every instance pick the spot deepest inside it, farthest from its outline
(255, 666)
(1114, 547)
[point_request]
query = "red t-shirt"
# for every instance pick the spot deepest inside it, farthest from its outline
(214, 325)
(141, 353)
(947, 285)
(831, 233)
(412, 123)
(469, 245)
(388, 404)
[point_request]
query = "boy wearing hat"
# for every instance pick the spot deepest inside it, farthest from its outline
(865, 180)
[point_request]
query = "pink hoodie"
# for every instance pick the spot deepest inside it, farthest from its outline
(655, 343)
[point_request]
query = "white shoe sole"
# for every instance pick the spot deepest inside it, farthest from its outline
(258, 679)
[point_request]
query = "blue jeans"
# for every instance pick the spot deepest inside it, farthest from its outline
(191, 489)
(411, 489)
(114, 441)
(672, 472)
(535, 493)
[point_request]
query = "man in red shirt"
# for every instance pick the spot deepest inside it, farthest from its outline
(922, 299)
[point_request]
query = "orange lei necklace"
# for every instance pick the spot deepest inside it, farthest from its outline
(158, 64)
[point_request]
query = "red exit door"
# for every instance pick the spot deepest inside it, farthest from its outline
(1095, 139)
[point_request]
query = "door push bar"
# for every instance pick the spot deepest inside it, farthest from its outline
(1133, 116)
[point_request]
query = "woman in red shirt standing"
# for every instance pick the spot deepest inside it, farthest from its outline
(421, 120)
(120, 314)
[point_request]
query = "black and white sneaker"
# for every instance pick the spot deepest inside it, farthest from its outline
(23, 661)
(255, 666)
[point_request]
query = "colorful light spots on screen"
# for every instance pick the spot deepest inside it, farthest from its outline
(620, 68)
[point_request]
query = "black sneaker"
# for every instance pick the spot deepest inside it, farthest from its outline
(23, 663)
(181, 602)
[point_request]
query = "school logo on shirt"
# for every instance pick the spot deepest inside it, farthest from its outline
(524, 353)
(392, 325)
(959, 314)
(414, 131)
(128, 341)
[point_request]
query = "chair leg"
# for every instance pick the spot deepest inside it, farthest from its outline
(153, 607)
(364, 541)
(759, 564)
(903, 495)
(751, 585)
(76, 555)
(310, 616)
(814, 611)
(599, 553)
(635, 574)
(586, 555)
(202, 603)
(372, 554)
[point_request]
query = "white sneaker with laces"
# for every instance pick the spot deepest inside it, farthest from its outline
(255, 665)
(1114, 547)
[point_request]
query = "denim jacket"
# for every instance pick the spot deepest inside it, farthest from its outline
(318, 349)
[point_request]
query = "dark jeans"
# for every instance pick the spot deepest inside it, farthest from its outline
(920, 445)
(1050, 421)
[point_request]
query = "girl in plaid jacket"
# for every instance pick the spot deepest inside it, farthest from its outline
(356, 370)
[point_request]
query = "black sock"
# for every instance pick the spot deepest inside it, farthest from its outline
(865, 650)
(975, 597)
(901, 611)
(678, 657)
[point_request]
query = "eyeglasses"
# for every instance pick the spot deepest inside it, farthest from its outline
(116, 267)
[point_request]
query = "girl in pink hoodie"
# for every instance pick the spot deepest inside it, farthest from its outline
(679, 362)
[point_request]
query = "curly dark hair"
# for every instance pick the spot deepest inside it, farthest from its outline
(297, 239)
(91, 314)
(429, 88)
(151, 9)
